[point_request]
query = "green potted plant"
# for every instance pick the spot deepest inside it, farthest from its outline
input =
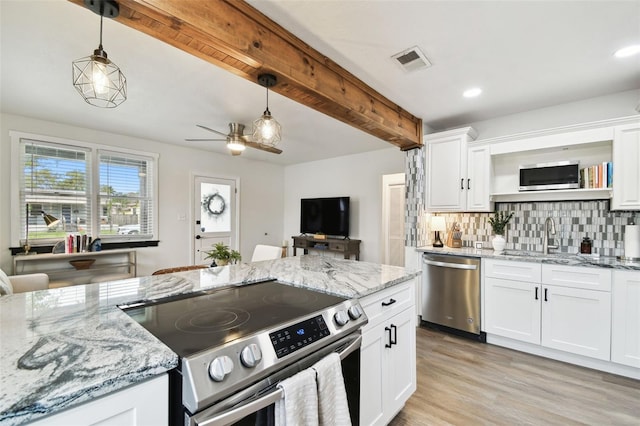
(223, 255)
(498, 223)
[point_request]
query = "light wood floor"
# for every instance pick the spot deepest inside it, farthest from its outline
(462, 382)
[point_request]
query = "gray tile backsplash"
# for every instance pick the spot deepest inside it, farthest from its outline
(574, 220)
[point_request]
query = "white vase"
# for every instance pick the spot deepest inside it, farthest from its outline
(498, 243)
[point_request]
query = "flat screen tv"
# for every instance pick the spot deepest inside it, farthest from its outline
(329, 216)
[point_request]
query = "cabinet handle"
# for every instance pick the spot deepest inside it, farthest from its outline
(394, 341)
(545, 295)
(198, 237)
(536, 293)
(388, 345)
(390, 302)
(468, 183)
(462, 183)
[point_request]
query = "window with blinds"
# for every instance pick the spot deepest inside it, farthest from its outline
(55, 181)
(126, 194)
(87, 190)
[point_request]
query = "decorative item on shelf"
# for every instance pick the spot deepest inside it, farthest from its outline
(498, 222)
(454, 239)
(98, 80)
(222, 255)
(80, 264)
(49, 220)
(319, 236)
(266, 130)
(438, 224)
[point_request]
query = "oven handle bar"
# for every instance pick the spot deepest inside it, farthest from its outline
(450, 265)
(227, 417)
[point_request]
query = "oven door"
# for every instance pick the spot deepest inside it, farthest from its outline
(255, 404)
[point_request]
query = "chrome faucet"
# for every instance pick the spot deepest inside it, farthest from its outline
(545, 238)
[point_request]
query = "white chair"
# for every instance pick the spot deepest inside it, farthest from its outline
(263, 252)
(22, 283)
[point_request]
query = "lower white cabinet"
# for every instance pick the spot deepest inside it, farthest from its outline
(388, 354)
(532, 308)
(577, 321)
(144, 404)
(512, 310)
(625, 338)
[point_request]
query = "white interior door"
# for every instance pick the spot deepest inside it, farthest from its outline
(393, 190)
(215, 215)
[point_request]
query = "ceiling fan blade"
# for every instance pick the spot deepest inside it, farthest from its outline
(263, 147)
(204, 140)
(211, 130)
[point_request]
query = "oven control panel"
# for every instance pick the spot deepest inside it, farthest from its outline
(299, 335)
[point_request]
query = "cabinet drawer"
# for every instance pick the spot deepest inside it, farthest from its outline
(577, 277)
(512, 270)
(337, 246)
(387, 302)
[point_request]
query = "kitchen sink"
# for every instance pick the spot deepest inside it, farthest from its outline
(519, 253)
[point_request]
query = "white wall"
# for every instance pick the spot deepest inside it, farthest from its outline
(261, 198)
(357, 176)
(622, 104)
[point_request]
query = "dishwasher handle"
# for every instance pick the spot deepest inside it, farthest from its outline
(450, 265)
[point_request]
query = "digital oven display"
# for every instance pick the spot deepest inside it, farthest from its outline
(297, 336)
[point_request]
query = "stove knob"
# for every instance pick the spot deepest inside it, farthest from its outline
(355, 312)
(251, 355)
(341, 318)
(220, 368)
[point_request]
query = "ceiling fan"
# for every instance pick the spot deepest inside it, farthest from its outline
(236, 140)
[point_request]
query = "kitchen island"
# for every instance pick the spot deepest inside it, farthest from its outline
(63, 347)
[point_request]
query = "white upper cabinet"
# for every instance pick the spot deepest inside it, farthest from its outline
(626, 167)
(458, 175)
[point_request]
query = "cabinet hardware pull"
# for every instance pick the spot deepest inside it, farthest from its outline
(394, 341)
(198, 237)
(468, 183)
(536, 293)
(462, 183)
(545, 295)
(388, 345)
(390, 302)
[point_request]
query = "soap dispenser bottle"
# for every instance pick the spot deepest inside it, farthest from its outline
(585, 246)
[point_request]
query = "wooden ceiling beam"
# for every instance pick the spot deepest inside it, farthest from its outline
(237, 37)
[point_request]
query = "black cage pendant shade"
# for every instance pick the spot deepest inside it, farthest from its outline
(266, 130)
(98, 80)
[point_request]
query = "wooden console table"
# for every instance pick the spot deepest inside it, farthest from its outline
(335, 245)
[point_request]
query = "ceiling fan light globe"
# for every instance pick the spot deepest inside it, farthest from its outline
(236, 146)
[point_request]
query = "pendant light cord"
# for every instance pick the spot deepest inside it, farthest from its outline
(100, 32)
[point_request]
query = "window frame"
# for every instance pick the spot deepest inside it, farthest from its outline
(94, 191)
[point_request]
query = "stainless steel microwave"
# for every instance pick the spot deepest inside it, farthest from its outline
(557, 175)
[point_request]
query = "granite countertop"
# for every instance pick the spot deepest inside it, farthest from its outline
(63, 347)
(552, 258)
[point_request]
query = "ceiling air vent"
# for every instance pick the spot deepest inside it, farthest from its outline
(411, 59)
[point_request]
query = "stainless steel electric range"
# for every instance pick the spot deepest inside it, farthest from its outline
(237, 343)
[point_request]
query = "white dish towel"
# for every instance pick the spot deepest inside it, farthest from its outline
(332, 397)
(299, 405)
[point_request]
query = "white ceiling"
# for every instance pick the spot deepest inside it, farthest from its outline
(524, 55)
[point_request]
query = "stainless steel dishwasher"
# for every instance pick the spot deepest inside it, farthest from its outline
(451, 293)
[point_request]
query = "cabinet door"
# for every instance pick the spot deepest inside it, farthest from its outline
(145, 404)
(400, 363)
(446, 169)
(577, 321)
(625, 339)
(478, 183)
(512, 309)
(372, 368)
(626, 173)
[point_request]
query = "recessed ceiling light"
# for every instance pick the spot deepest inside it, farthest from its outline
(625, 52)
(472, 93)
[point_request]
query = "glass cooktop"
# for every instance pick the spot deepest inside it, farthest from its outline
(212, 318)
